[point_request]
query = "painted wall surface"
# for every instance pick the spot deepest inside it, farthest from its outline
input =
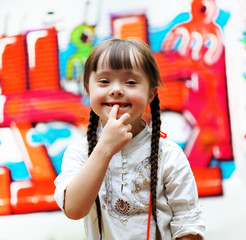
(200, 50)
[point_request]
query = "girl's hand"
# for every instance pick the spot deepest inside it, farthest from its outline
(83, 189)
(116, 132)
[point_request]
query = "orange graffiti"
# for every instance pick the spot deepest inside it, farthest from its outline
(32, 93)
(5, 206)
(123, 26)
(200, 37)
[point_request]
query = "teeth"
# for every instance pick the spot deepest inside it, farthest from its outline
(121, 105)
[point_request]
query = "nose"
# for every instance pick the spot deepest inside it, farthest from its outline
(116, 91)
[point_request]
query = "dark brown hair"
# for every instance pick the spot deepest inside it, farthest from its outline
(122, 54)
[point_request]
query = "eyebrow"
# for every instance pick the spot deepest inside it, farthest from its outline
(102, 72)
(127, 71)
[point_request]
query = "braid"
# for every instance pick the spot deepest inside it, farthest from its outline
(99, 216)
(156, 123)
(92, 141)
(92, 131)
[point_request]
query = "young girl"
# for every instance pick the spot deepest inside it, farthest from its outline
(126, 179)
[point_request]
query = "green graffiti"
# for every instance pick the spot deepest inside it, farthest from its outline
(82, 36)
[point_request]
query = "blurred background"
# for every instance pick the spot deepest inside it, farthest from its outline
(200, 48)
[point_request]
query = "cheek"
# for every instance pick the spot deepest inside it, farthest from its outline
(139, 100)
(96, 98)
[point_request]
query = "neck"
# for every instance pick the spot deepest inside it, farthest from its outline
(137, 129)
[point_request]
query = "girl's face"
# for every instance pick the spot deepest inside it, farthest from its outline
(129, 88)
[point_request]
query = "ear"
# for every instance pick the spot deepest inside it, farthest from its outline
(152, 94)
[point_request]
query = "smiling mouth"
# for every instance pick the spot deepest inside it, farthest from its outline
(122, 105)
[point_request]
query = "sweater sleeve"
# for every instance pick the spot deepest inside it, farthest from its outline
(182, 196)
(73, 159)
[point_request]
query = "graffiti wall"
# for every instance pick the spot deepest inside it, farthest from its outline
(43, 106)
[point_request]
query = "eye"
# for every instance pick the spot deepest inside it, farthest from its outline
(103, 81)
(131, 82)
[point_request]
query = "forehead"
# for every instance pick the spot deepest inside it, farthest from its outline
(120, 58)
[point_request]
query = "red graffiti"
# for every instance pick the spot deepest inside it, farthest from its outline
(200, 37)
(29, 76)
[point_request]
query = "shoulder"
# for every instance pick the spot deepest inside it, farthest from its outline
(168, 145)
(171, 154)
(173, 163)
(76, 150)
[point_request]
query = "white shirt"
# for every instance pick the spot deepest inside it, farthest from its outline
(124, 194)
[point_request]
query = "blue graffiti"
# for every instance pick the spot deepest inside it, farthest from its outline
(227, 167)
(156, 35)
(49, 136)
(18, 170)
(57, 161)
(64, 55)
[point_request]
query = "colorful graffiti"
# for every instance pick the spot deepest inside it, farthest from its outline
(192, 66)
(199, 37)
(82, 37)
(38, 118)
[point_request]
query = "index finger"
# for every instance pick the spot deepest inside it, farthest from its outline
(113, 112)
